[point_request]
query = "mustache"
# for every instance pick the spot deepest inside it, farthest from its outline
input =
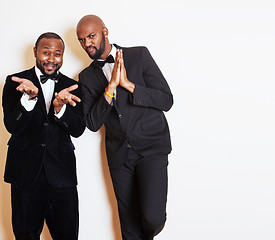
(54, 64)
(89, 47)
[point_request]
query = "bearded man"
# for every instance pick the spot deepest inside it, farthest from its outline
(124, 90)
(42, 110)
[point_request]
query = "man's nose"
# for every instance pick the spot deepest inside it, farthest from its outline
(51, 58)
(88, 42)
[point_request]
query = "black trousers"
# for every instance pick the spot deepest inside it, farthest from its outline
(31, 205)
(141, 192)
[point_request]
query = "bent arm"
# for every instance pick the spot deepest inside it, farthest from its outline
(16, 117)
(156, 92)
(72, 121)
(96, 108)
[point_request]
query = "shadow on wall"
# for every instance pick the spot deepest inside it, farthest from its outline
(109, 187)
(72, 42)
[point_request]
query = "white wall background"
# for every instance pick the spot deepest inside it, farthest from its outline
(218, 58)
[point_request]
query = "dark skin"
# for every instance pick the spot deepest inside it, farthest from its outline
(89, 33)
(49, 58)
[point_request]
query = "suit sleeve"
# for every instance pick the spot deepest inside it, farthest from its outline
(96, 108)
(156, 92)
(72, 121)
(16, 117)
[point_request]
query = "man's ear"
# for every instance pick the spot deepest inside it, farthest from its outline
(34, 51)
(105, 32)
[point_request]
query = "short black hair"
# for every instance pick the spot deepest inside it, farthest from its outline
(48, 35)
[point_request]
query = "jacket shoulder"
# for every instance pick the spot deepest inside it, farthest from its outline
(135, 49)
(22, 74)
(66, 81)
(64, 77)
(86, 70)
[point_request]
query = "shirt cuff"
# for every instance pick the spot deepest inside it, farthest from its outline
(27, 103)
(61, 112)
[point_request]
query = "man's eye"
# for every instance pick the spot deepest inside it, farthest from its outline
(57, 54)
(91, 35)
(46, 53)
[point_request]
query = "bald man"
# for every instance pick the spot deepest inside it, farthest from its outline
(124, 90)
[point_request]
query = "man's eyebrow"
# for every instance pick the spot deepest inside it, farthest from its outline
(91, 34)
(87, 35)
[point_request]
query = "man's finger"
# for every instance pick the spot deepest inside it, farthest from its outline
(117, 53)
(76, 98)
(116, 58)
(21, 87)
(122, 60)
(71, 102)
(73, 87)
(17, 79)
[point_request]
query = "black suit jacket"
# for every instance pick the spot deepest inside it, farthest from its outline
(40, 140)
(135, 118)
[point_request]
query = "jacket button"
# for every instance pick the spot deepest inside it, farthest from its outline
(19, 116)
(46, 124)
(43, 144)
(65, 124)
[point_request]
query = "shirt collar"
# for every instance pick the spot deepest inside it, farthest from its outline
(113, 51)
(39, 73)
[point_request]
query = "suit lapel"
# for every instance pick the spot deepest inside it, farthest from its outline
(100, 76)
(60, 84)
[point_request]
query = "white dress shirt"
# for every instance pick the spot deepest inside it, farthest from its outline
(108, 67)
(48, 91)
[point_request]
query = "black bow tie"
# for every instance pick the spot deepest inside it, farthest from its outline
(44, 78)
(100, 64)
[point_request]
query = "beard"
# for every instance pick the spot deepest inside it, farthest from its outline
(41, 68)
(98, 52)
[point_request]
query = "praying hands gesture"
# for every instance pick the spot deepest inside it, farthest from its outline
(119, 77)
(64, 97)
(26, 86)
